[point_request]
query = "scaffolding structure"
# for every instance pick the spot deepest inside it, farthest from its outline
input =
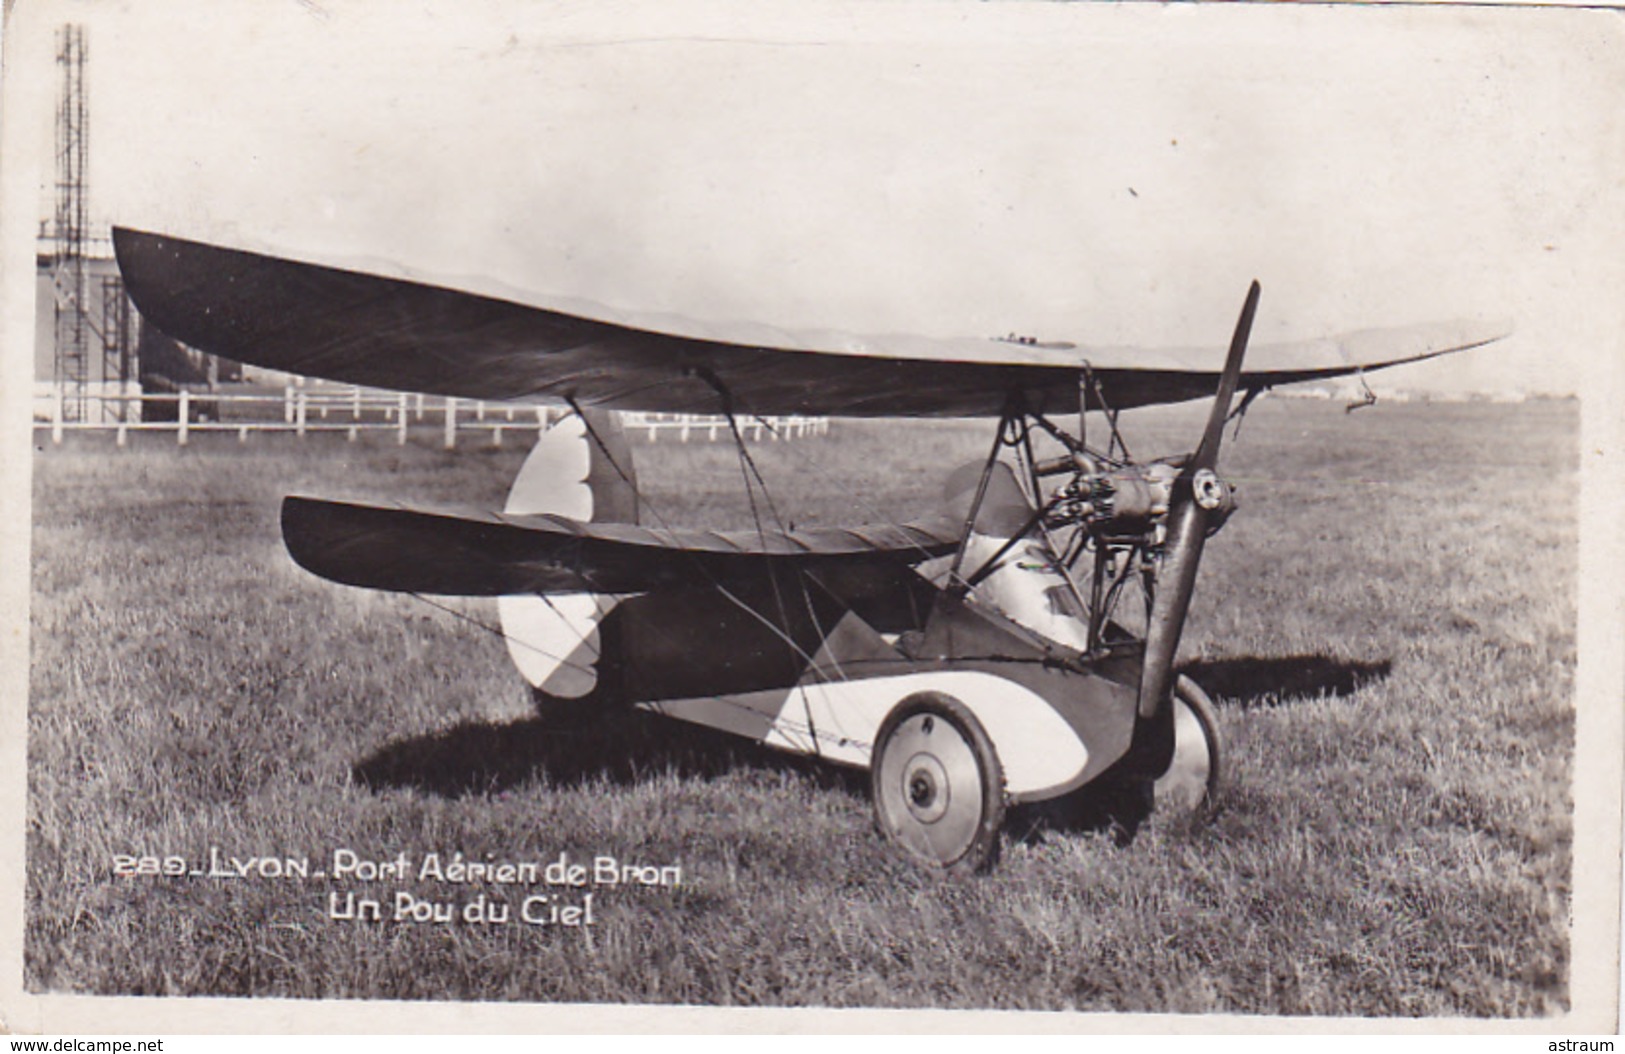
(118, 340)
(94, 347)
(72, 208)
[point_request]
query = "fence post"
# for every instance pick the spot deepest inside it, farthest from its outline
(299, 415)
(123, 433)
(355, 402)
(400, 422)
(182, 412)
(496, 436)
(420, 406)
(287, 404)
(451, 422)
(57, 395)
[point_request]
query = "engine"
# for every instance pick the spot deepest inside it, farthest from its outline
(1129, 503)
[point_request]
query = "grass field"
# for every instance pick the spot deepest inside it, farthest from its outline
(1387, 625)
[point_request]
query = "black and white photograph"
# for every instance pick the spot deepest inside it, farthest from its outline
(568, 511)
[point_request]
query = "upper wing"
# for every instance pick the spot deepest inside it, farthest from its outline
(387, 332)
(493, 554)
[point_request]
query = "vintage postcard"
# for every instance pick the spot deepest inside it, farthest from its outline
(579, 511)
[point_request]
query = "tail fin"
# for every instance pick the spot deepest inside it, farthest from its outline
(581, 467)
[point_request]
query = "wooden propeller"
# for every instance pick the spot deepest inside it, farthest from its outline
(1197, 494)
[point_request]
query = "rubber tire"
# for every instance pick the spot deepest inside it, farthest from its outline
(981, 850)
(1194, 704)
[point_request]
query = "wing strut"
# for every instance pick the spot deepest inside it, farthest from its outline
(1011, 414)
(748, 469)
(1117, 447)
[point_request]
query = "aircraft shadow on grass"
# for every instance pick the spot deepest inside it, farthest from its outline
(1251, 683)
(614, 744)
(626, 746)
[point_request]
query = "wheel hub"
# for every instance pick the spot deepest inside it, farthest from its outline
(929, 793)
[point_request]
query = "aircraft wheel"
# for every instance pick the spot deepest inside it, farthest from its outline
(1190, 787)
(937, 784)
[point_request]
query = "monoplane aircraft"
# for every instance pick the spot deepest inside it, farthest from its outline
(979, 657)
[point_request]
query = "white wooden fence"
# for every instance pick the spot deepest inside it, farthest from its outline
(306, 409)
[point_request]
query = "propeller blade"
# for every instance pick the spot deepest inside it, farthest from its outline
(1187, 531)
(1207, 455)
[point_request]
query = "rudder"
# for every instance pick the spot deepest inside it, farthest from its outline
(581, 467)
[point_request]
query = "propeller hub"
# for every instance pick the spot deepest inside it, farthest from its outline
(1209, 490)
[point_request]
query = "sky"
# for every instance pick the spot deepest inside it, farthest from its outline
(1100, 173)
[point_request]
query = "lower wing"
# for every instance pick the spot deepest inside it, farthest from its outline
(492, 554)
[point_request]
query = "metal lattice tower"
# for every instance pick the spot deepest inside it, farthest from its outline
(72, 364)
(118, 341)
